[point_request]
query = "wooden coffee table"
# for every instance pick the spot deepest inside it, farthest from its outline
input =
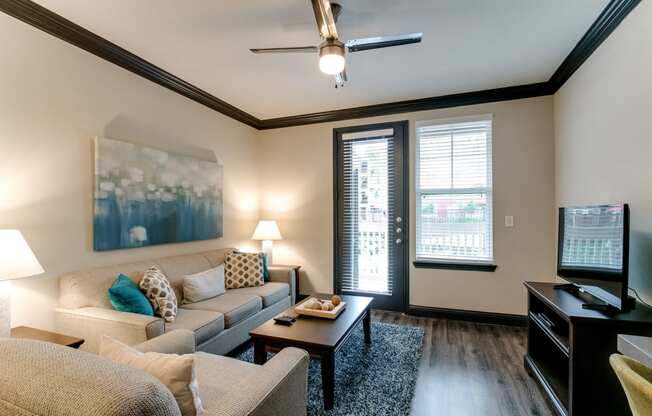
(322, 338)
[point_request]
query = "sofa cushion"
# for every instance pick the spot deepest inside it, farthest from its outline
(205, 324)
(235, 306)
(271, 293)
(176, 267)
(89, 287)
(216, 257)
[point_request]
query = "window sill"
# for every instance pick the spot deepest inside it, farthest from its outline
(421, 264)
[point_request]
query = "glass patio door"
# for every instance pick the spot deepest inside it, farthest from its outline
(371, 230)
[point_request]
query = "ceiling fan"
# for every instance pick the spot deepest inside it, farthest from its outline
(332, 51)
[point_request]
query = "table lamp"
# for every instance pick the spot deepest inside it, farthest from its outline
(16, 262)
(267, 231)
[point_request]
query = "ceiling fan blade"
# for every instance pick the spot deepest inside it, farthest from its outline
(340, 79)
(325, 18)
(365, 44)
(292, 49)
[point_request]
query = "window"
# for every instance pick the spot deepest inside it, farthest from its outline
(454, 191)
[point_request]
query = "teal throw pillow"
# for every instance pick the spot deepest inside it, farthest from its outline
(125, 296)
(266, 277)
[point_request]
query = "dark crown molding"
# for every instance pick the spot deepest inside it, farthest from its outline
(50, 22)
(432, 103)
(607, 22)
(600, 30)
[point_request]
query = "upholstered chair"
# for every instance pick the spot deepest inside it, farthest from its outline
(636, 379)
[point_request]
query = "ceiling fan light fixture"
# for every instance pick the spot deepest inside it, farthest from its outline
(332, 52)
(331, 58)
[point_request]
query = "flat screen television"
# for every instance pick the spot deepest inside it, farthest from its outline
(593, 252)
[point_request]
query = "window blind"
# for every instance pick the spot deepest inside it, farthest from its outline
(454, 191)
(367, 257)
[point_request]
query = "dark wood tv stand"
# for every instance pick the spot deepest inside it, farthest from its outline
(569, 347)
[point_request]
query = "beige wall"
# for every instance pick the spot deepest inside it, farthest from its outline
(603, 134)
(296, 188)
(54, 99)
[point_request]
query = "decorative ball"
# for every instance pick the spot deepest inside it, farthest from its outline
(336, 300)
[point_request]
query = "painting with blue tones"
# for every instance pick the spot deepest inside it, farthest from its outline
(145, 196)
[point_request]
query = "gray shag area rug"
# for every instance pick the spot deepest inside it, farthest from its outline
(369, 380)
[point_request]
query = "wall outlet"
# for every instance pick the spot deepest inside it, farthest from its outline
(509, 221)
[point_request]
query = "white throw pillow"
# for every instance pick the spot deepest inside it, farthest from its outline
(203, 285)
(176, 372)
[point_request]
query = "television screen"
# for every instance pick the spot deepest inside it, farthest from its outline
(593, 249)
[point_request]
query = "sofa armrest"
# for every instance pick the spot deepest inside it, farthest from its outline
(90, 323)
(287, 275)
(278, 388)
(179, 341)
(287, 377)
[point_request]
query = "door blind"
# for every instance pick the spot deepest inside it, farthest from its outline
(367, 255)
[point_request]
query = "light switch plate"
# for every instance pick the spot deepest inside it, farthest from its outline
(509, 221)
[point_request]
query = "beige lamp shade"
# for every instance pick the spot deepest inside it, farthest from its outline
(17, 260)
(267, 230)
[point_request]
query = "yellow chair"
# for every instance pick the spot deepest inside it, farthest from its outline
(636, 379)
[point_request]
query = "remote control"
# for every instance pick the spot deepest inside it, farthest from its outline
(285, 320)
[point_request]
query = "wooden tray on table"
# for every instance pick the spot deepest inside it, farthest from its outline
(301, 310)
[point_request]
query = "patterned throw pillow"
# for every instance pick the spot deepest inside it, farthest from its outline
(243, 270)
(160, 293)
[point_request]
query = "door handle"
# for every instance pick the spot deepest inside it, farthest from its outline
(398, 241)
(398, 230)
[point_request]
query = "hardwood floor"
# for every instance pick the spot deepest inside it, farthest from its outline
(471, 369)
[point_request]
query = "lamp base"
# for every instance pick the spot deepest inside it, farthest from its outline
(268, 248)
(5, 309)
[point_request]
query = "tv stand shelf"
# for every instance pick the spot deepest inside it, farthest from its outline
(561, 341)
(569, 347)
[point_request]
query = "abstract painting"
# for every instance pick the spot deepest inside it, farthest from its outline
(145, 196)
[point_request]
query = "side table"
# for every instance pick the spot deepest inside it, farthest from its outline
(26, 332)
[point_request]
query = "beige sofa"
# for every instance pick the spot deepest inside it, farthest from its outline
(220, 324)
(39, 378)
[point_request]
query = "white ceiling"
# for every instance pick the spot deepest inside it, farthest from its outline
(468, 45)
